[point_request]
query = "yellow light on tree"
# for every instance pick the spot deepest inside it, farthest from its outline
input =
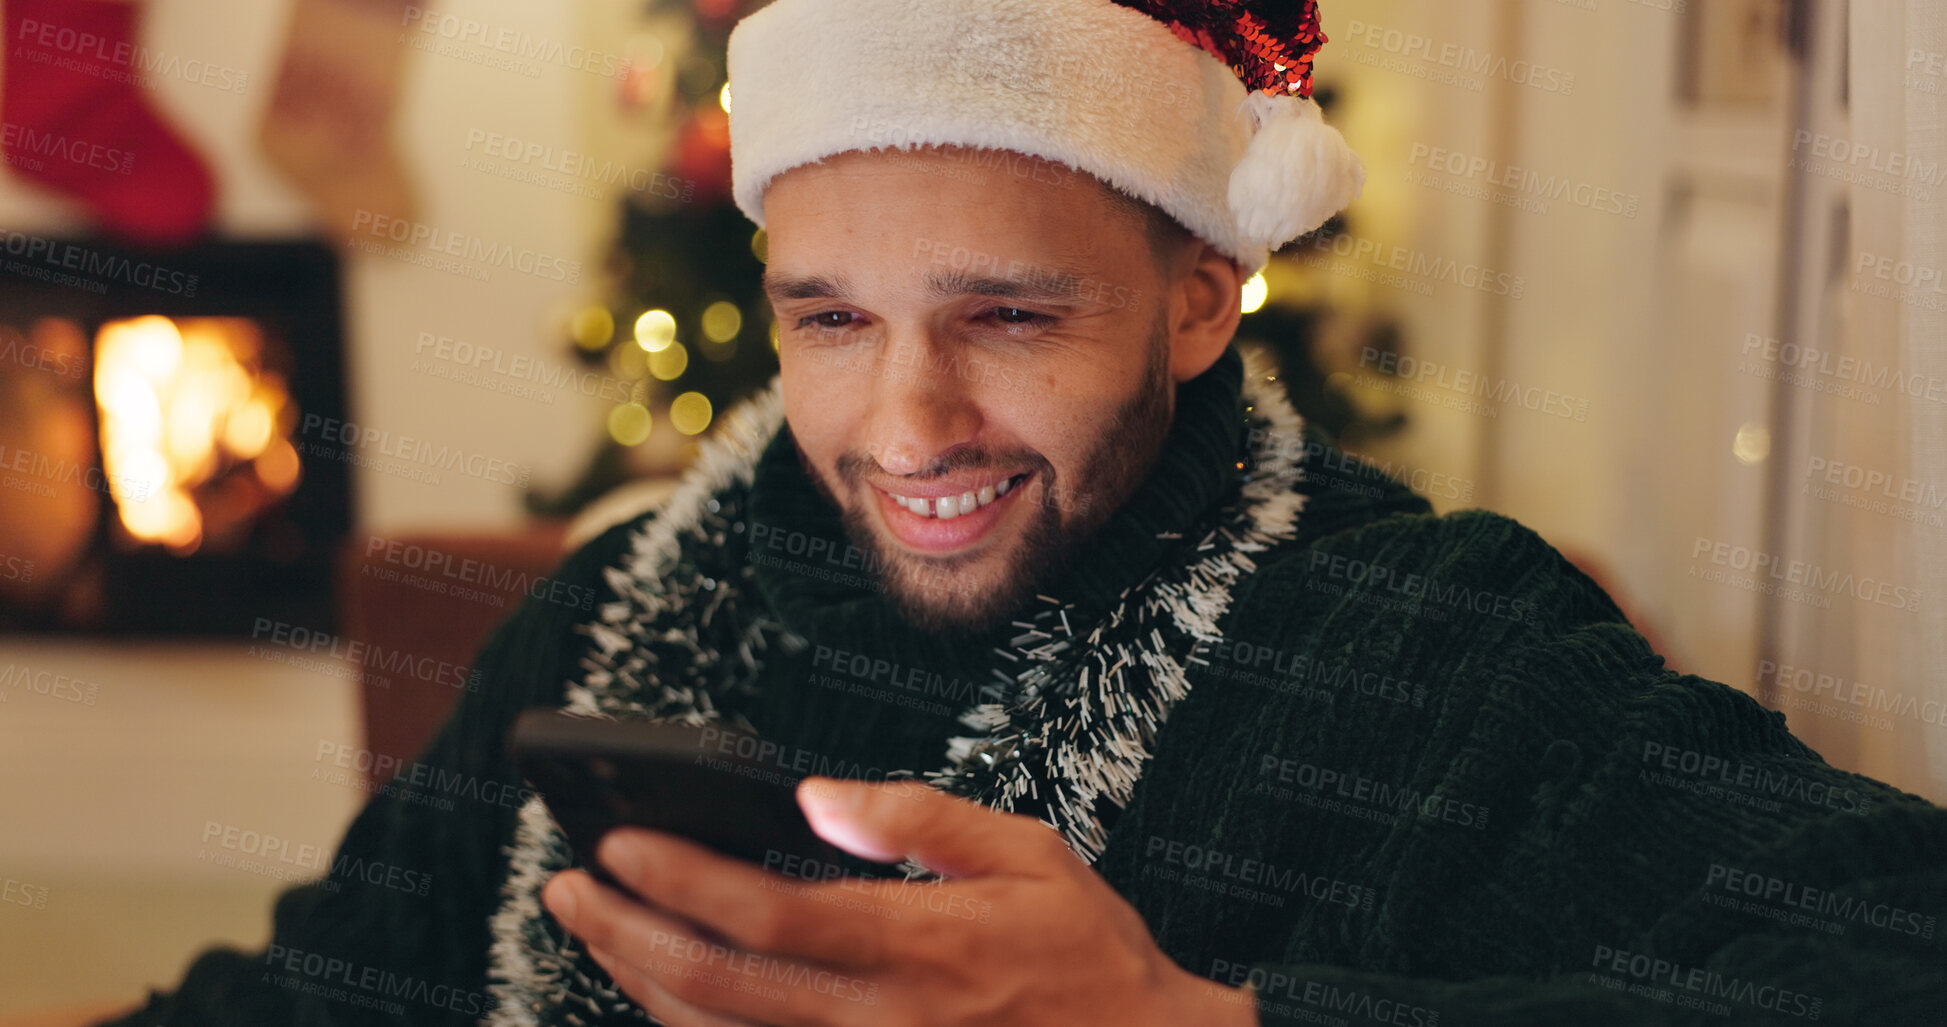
(628, 362)
(629, 424)
(760, 246)
(722, 321)
(670, 362)
(690, 413)
(655, 330)
(592, 327)
(723, 97)
(1256, 291)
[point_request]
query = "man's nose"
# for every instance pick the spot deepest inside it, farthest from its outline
(920, 409)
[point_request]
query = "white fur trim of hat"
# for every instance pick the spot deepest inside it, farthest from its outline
(1092, 84)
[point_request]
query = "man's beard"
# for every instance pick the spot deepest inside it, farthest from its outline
(935, 594)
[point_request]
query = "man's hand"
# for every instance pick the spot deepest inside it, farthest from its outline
(1022, 932)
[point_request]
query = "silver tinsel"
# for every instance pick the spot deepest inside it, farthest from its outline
(1069, 730)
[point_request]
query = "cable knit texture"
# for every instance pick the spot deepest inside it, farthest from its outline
(1427, 776)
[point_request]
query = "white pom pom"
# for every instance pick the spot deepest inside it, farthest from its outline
(1296, 173)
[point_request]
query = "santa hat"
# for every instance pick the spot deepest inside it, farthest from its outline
(1202, 109)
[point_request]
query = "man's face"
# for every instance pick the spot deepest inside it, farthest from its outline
(975, 360)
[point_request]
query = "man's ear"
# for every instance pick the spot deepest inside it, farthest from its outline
(1206, 302)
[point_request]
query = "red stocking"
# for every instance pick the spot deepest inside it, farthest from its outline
(75, 121)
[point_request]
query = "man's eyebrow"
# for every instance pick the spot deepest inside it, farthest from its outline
(804, 287)
(1039, 282)
(1044, 283)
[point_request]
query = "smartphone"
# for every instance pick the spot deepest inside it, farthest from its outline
(706, 784)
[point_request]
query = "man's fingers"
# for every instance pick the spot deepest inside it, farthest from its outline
(656, 999)
(754, 909)
(708, 975)
(951, 836)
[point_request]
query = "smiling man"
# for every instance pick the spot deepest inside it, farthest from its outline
(1205, 723)
(955, 383)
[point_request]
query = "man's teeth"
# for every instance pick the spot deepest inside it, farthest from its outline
(947, 508)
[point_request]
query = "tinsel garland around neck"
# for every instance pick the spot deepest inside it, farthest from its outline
(1086, 700)
(1068, 738)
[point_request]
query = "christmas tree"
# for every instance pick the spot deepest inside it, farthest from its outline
(688, 325)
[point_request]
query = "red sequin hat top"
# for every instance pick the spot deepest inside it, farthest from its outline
(1269, 44)
(1200, 109)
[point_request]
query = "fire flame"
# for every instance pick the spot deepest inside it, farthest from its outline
(184, 403)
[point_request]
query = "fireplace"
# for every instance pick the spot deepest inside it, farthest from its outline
(148, 402)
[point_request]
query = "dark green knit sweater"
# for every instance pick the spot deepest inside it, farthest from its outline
(1427, 775)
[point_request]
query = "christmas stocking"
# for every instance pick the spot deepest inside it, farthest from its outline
(73, 119)
(329, 125)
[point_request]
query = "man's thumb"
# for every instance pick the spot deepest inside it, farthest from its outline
(907, 819)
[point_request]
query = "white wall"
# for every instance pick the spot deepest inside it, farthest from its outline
(179, 737)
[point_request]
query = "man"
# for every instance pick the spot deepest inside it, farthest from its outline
(1249, 735)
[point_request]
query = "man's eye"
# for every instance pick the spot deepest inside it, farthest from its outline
(1018, 316)
(829, 319)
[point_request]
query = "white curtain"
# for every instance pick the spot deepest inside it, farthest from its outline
(1886, 715)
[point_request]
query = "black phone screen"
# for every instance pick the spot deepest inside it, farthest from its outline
(597, 774)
